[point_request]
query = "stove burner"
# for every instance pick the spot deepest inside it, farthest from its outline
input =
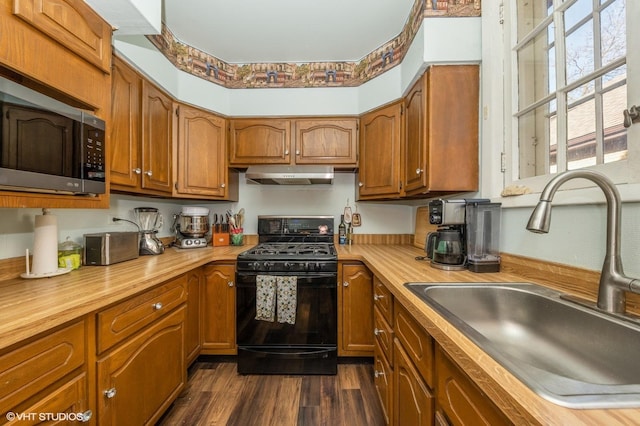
(296, 249)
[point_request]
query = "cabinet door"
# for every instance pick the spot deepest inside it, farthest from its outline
(460, 399)
(157, 138)
(139, 379)
(219, 309)
(124, 141)
(355, 311)
(259, 141)
(380, 153)
(193, 335)
(413, 403)
(415, 176)
(202, 153)
(383, 381)
(326, 141)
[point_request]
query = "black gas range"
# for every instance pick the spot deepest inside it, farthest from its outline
(286, 298)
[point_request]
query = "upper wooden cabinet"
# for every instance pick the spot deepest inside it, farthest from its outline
(441, 128)
(157, 139)
(328, 140)
(202, 156)
(381, 133)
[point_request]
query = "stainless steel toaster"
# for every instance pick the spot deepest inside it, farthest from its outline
(106, 248)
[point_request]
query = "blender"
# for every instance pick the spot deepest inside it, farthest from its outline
(150, 220)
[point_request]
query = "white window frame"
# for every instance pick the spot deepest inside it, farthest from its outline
(625, 173)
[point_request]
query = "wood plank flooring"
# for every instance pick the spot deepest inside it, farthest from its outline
(216, 395)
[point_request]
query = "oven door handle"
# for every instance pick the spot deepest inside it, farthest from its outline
(245, 274)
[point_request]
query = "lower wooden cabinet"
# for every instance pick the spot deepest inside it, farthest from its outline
(193, 330)
(460, 400)
(139, 379)
(219, 310)
(355, 310)
(383, 382)
(413, 403)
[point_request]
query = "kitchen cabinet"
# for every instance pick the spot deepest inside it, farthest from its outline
(441, 126)
(47, 374)
(381, 132)
(201, 156)
(219, 310)
(141, 134)
(413, 402)
(138, 380)
(460, 401)
(126, 127)
(355, 310)
(331, 141)
(193, 329)
(383, 375)
(322, 140)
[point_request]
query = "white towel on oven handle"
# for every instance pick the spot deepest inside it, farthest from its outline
(287, 298)
(265, 297)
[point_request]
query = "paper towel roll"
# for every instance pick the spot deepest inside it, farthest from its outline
(45, 245)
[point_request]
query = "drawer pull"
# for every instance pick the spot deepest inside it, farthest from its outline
(377, 297)
(157, 306)
(377, 374)
(377, 332)
(86, 416)
(110, 393)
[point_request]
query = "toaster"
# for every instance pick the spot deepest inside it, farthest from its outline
(107, 248)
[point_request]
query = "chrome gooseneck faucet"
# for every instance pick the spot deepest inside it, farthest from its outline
(613, 282)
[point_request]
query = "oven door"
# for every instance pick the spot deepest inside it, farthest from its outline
(309, 346)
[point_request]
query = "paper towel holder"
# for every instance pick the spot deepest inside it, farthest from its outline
(58, 271)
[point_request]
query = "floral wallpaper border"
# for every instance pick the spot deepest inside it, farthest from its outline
(308, 74)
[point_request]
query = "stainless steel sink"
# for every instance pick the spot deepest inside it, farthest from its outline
(569, 354)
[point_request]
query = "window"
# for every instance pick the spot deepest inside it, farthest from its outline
(570, 61)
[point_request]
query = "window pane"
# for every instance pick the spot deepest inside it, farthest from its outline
(536, 133)
(581, 132)
(613, 41)
(530, 14)
(535, 70)
(615, 134)
(579, 52)
(578, 11)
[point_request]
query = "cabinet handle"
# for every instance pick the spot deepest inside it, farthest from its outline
(110, 393)
(377, 297)
(377, 332)
(360, 184)
(297, 152)
(149, 173)
(230, 283)
(137, 170)
(157, 306)
(85, 416)
(286, 152)
(418, 171)
(222, 185)
(377, 374)
(345, 284)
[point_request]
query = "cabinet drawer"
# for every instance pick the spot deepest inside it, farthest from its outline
(33, 367)
(416, 341)
(384, 334)
(121, 321)
(383, 381)
(462, 402)
(383, 299)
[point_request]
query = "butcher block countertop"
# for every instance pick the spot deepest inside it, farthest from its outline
(29, 307)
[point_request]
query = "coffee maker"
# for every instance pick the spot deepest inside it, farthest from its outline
(446, 247)
(467, 236)
(149, 220)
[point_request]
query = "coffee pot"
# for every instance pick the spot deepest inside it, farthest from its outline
(445, 248)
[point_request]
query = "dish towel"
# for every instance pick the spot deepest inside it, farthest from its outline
(287, 288)
(265, 297)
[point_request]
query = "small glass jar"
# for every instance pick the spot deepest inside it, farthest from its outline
(69, 254)
(237, 239)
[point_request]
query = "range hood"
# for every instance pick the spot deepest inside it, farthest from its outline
(289, 175)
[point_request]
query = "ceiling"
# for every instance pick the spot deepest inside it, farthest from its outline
(255, 31)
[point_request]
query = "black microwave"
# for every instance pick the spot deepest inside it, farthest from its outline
(49, 146)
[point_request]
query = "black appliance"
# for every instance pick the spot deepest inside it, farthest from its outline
(49, 146)
(299, 249)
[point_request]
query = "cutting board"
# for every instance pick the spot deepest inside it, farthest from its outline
(423, 227)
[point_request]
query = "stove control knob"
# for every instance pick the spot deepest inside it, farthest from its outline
(255, 265)
(287, 265)
(318, 266)
(267, 265)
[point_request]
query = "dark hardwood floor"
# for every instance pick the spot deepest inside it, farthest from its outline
(216, 395)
